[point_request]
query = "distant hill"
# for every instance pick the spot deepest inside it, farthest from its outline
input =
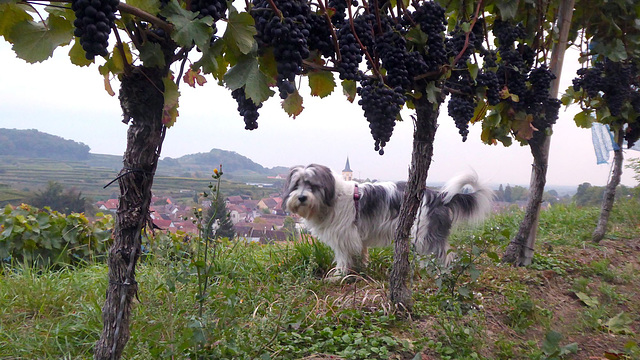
(36, 144)
(232, 163)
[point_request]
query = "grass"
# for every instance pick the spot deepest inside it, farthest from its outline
(576, 301)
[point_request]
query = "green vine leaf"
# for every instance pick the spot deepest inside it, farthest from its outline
(10, 16)
(212, 61)
(36, 41)
(292, 105)
(241, 31)
(584, 119)
(149, 6)
(321, 83)
(151, 55)
(349, 89)
(77, 54)
(508, 9)
(187, 29)
(247, 73)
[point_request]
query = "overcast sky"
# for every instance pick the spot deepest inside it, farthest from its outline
(61, 99)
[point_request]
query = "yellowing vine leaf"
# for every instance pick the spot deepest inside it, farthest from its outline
(522, 127)
(293, 104)
(321, 83)
(107, 85)
(77, 54)
(192, 77)
(171, 96)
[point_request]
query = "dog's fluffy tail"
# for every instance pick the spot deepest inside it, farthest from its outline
(467, 206)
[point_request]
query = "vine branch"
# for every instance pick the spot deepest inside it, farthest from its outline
(466, 36)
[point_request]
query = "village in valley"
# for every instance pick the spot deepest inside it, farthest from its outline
(256, 220)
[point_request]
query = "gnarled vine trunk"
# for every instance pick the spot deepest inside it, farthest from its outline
(142, 101)
(610, 191)
(519, 252)
(423, 136)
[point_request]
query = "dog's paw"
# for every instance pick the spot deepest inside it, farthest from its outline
(335, 275)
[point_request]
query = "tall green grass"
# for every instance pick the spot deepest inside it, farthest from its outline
(270, 301)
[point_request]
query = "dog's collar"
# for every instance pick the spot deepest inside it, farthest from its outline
(356, 200)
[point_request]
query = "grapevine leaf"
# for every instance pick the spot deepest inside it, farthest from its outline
(293, 104)
(187, 29)
(473, 69)
(417, 36)
(77, 54)
(619, 324)
(192, 77)
(151, 55)
(35, 42)
(480, 112)
(247, 73)
(522, 126)
(508, 9)
(588, 300)
(584, 119)
(66, 13)
(241, 31)
(349, 89)
(432, 92)
(150, 6)
(10, 16)
(212, 61)
(269, 66)
(321, 83)
(118, 59)
(171, 96)
(107, 85)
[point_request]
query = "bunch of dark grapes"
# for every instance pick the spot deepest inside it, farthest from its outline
(247, 109)
(430, 16)
(94, 19)
(391, 47)
(320, 35)
(615, 81)
(462, 103)
(350, 54)
(288, 37)
(489, 80)
(455, 43)
(540, 79)
(632, 133)
(339, 8)
(512, 70)
(381, 105)
(214, 8)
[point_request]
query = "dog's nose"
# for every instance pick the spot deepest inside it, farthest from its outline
(302, 198)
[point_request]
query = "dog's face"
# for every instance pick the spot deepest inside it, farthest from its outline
(308, 190)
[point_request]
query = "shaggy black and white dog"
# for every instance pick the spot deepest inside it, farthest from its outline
(351, 217)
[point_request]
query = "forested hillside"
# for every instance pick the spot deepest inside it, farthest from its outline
(36, 144)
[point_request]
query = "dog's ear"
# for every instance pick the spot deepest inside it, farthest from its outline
(288, 183)
(326, 181)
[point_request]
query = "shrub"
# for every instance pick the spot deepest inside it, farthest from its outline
(43, 237)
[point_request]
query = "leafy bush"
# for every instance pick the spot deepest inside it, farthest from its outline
(43, 237)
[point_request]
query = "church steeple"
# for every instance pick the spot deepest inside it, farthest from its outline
(347, 173)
